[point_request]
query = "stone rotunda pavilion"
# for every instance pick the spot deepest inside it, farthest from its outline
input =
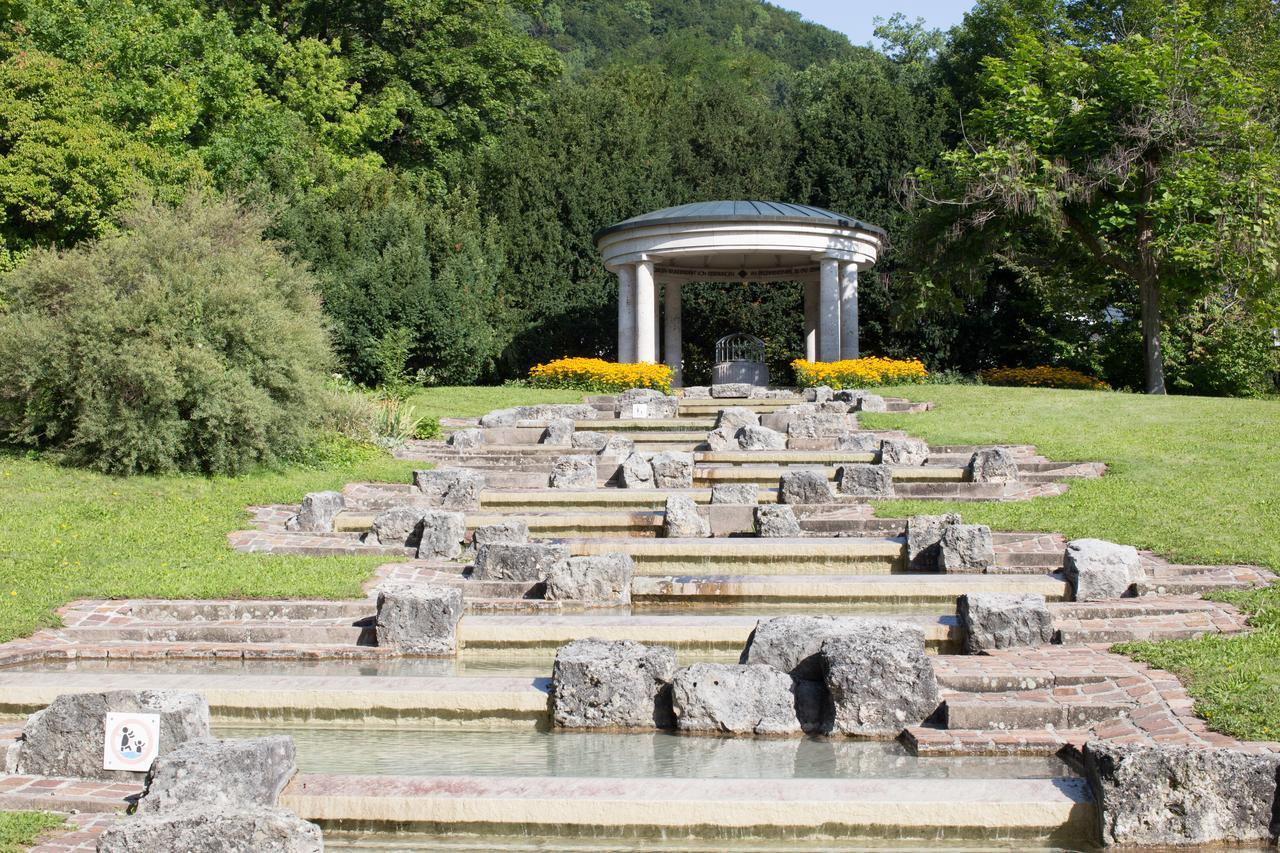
(731, 241)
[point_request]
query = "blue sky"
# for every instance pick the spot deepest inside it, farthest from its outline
(855, 19)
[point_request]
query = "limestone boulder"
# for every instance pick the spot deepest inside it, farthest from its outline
(697, 392)
(862, 442)
(992, 465)
(792, 643)
(879, 678)
(1171, 795)
(418, 619)
(966, 548)
(833, 407)
(506, 530)
(213, 773)
(317, 512)
(399, 525)
(636, 472)
(871, 403)
(550, 411)
(907, 452)
(819, 394)
(682, 519)
(450, 488)
(761, 438)
(647, 403)
(600, 579)
(1099, 570)
(865, 480)
(672, 470)
(1002, 620)
(466, 439)
(224, 830)
(559, 432)
(500, 418)
(440, 535)
(819, 424)
(513, 561)
(735, 493)
(724, 390)
(724, 698)
(588, 440)
(924, 539)
(735, 418)
(805, 486)
(573, 472)
(618, 447)
(724, 438)
(776, 520)
(65, 739)
(612, 684)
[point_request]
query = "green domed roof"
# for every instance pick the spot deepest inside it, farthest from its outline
(745, 211)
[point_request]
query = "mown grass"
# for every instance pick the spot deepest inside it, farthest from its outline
(473, 401)
(1194, 479)
(19, 830)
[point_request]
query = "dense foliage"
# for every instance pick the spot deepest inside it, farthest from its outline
(184, 343)
(442, 165)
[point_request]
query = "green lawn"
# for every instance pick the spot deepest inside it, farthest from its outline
(1194, 479)
(472, 402)
(19, 830)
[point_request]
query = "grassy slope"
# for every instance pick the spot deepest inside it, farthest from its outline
(19, 830)
(1195, 479)
(471, 402)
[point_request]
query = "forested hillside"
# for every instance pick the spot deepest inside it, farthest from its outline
(441, 166)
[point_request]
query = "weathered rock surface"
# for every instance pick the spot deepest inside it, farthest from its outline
(761, 438)
(819, 424)
(992, 465)
(697, 392)
(637, 472)
(776, 520)
(879, 678)
(924, 539)
(966, 548)
(419, 619)
(65, 739)
(618, 446)
(1099, 570)
(1003, 620)
(792, 643)
(804, 486)
(833, 407)
(589, 440)
(506, 530)
(549, 411)
(598, 579)
(450, 488)
(865, 480)
(573, 472)
(213, 773)
(724, 438)
(512, 561)
(466, 439)
(238, 830)
(400, 525)
(441, 534)
(499, 418)
(672, 470)
(738, 699)
(735, 418)
(1163, 794)
(903, 451)
(865, 442)
(605, 684)
(559, 432)
(653, 404)
(735, 493)
(871, 403)
(317, 512)
(731, 389)
(682, 519)
(819, 394)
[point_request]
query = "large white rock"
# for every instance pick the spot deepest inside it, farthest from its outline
(1003, 620)
(734, 418)
(204, 830)
(879, 677)
(441, 534)
(213, 773)
(736, 699)
(804, 486)
(612, 684)
(317, 512)
(602, 579)
(573, 472)
(1100, 570)
(637, 472)
(907, 452)
(450, 488)
(672, 470)
(682, 519)
(418, 619)
(515, 561)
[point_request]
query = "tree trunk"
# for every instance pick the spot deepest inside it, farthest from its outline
(1148, 278)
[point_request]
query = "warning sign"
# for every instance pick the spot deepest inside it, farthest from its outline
(131, 741)
(639, 410)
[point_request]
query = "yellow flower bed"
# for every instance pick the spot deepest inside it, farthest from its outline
(1042, 377)
(859, 372)
(595, 374)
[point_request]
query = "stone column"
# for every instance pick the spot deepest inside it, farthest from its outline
(849, 310)
(626, 314)
(829, 310)
(811, 320)
(673, 334)
(646, 321)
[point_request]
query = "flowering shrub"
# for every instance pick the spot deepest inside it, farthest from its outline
(859, 372)
(594, 374)
(1042, 377)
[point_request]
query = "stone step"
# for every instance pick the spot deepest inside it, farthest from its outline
(805, 589)
(933, 741)
(751, 556)
(1149, 628)
(1059, 707)
(728, 809)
